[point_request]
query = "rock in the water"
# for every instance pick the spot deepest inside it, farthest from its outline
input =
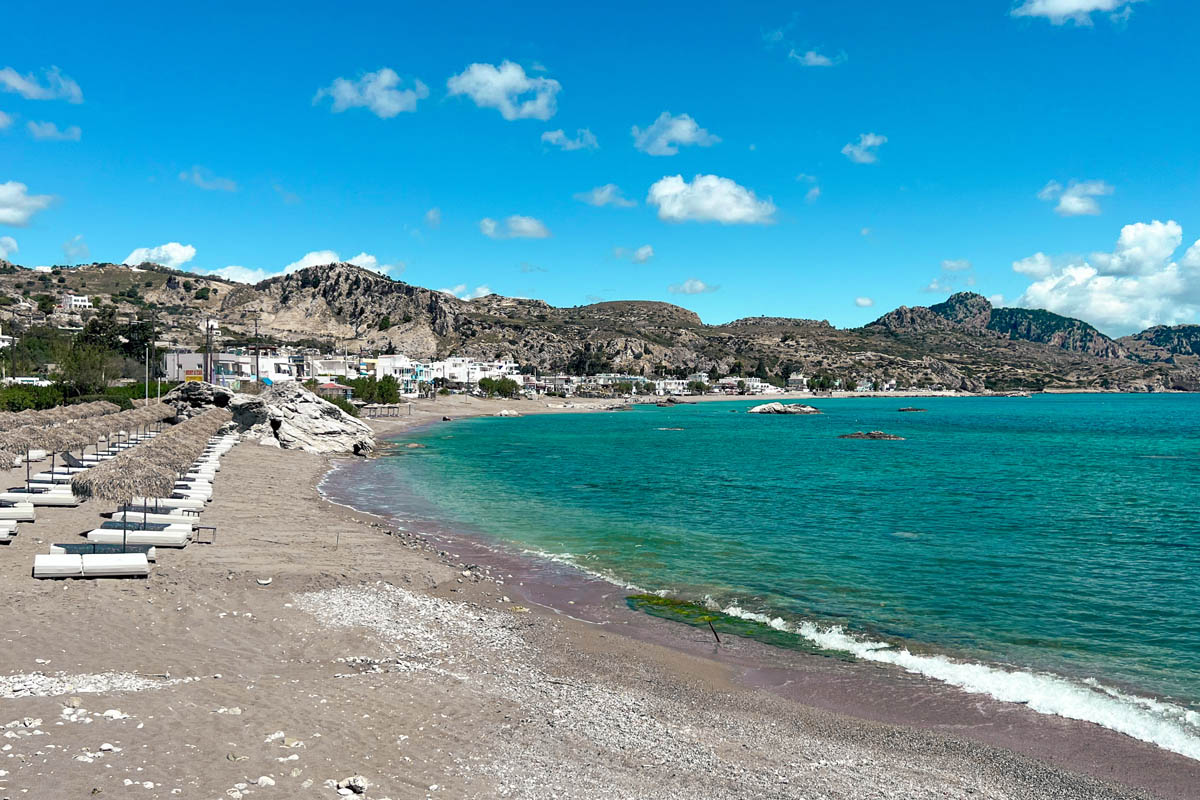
(877, 435)
(783, 408)
(910, 408)
(286, 415)
(507, 412)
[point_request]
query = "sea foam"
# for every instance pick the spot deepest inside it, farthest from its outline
(1167, 725)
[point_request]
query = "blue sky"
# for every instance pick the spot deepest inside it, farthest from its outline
(996, 131)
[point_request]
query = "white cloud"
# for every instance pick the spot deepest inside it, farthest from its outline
(1135, 286)
(956, 265)
(48, 131)
(17, 206)
(376, 91)
(865, 232)
(171, 254)
(584, 140)
(368, 261)
(8, 246)
(291, 198)
(507, 88)
(863, 302)
(433, 217)
(313, 258)
(639, 255)
(463, 293)
(205, 179)
(811, 58)
(56, 87)
(812, 194)
(76, 249)
(607, 195)
(515, 227)
(938, 286)
(1077, 11)
(692, 286)
(6, 120)
(241, 274)
(864, 152)
(668, 133)
(709, 198)
(1077, 198)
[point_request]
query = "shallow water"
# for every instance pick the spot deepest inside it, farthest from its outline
(1040, 550)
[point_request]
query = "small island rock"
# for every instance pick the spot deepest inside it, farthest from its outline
(783, 408)
(875, 435)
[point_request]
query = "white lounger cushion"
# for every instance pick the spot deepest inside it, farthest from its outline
(167, 504)
(115, 565)
(156, 538)
(151, 554)
(57, 565)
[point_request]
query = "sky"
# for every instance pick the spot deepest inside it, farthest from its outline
(803, 159)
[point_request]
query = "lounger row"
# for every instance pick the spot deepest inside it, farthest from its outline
(91, 565)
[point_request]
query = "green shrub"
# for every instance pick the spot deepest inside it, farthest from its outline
(344, 405)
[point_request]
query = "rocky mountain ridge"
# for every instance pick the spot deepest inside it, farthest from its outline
(962, 343)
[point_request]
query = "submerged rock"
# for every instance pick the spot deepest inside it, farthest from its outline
(783, 408)
(877, 435)
(910, 408)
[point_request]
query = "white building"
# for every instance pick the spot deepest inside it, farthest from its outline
(75, 302)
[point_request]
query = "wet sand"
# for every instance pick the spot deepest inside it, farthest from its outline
(371, 653)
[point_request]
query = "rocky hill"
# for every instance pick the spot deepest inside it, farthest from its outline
(962, 343)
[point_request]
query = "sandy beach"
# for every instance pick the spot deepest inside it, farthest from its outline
(430, 670)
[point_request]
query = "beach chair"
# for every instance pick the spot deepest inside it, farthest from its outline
(57, 565)
(156, 538)
(84, 548)
(115, 565)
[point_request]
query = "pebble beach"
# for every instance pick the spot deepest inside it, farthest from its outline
(318, 651)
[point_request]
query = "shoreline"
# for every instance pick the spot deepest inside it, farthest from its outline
(934, 706)
(371, 653)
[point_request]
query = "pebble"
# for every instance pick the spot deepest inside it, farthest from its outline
(264, 780)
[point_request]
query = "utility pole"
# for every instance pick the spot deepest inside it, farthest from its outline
(257, 348)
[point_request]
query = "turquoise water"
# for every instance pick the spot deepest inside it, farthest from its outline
(1049, 536)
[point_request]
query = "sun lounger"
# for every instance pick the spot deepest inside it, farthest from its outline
(40, 498)
(115, 565)
(156, 538)
(57, 565)
(17, 512)
(84, 548)
(138, 525)
(167, 504)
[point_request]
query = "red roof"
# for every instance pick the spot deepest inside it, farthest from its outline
(332, 386)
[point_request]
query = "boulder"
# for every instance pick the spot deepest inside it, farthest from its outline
(873, 435)
(285, 415)
(783, 408)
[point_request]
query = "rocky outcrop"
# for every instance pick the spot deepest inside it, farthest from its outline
(784, 408)
(873, 435)
(1165, 343)
(285, 415)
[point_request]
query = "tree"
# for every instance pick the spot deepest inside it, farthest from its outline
(385, 322)
(697, 387)
(741, 387)
(45, 303)
(388, 390)
(503, 387)
(86, 369)
(202, 293)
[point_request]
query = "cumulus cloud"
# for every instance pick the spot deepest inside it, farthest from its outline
(204, 178)
(814, 191)
(865, 150)
(938, 286)
(639, 255)
(692, 286)
(1077, 11)
(433, 217)
(515, 227)
(171, 254)
(1077, 198)
(313, 258)
(76, 249)
(508, 90)
(8, 246)
(17, 205)
(6, 120)
(811, 58)
(49, 132)
(56, 87)
(463, 293)
(863, 302)
(956, 265)
(377, 91)
(709, 198)
(607, 195)
(584, 140)
(1137, 285)
(667, 133)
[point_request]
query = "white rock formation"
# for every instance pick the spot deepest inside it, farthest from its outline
(784, 408)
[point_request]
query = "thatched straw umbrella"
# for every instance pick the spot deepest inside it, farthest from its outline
(150, 470)
(23, 440)
(49, 416)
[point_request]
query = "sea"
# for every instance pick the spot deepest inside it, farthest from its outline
(1041, 550)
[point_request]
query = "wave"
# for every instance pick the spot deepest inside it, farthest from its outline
(1167, 725)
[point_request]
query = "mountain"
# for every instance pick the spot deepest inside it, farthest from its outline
(961, 343)
(1178, 344)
